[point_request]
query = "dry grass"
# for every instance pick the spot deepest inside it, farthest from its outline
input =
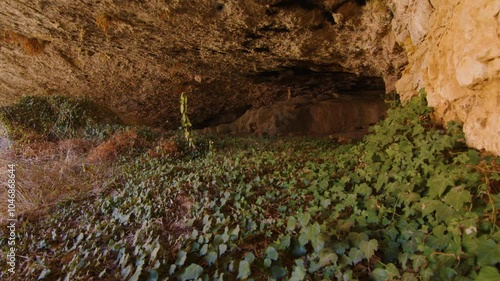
(48, 173)
(112, 148)
(165, 148)
(30, 46)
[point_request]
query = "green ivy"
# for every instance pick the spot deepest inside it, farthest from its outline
(408, 202)
(185, 123)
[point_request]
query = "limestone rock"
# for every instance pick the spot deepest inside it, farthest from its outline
(457, 60)
(305, 115)
(136, 57)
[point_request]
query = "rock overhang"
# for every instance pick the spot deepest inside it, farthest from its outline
(136, 58)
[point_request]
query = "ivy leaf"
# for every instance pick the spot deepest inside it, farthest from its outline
(428, 206)
(340, 247)
(304, 219)
(222, 249)
(271, 253)
(345, 226)
(437, 185)
(444, 212)
(457, 197)
(368, 247)
(438, 242)
(236, 231)
(488, 273)
(418, 261)
(243, 270)
(355, 255)
(44, 273)
(488, 252)
(410, 246)
(267, 262)
(192, 272)
(153, 275)
(285, 242)
(181, 258)
(325, 203)
(407, 276)
(356, 238)
(137, 273)
(278, 272)
(299, 272)
(379, 274)
(250, 257)
(323, 184)
(318, 243)
(290, 225)
(426, 274)
(312, 233)
(363, 189)
(474, 156)
(172, 269)
(204, 250)
(225, 236)
(327, 256)
(392, 271)
(211, 258)
(126, 271)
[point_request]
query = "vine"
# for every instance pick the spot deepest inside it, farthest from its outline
(185, 123)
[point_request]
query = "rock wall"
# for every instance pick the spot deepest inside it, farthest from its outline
(453, 48)
(137, 56)
(306, 115)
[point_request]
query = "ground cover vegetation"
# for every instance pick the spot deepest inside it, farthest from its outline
(408, 202)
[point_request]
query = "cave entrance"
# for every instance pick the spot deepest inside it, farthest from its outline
(300, 101)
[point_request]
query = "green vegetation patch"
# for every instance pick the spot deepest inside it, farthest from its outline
(53, 118)
(409, 202)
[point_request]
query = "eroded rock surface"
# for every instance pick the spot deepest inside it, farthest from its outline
(137, 56)
(306, 115)
(454, 53)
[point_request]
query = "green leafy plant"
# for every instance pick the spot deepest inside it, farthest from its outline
(409, 202)
(52, 118)
(185, 123)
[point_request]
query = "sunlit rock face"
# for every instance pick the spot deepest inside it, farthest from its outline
(453, 49)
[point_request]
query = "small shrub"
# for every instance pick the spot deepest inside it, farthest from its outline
(52, 118)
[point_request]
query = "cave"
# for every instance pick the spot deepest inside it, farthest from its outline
(306, 102)
(249, 140)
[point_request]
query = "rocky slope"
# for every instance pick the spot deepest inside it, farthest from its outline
(229, 56)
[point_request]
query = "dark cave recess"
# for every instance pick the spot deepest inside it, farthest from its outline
(291, 82)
